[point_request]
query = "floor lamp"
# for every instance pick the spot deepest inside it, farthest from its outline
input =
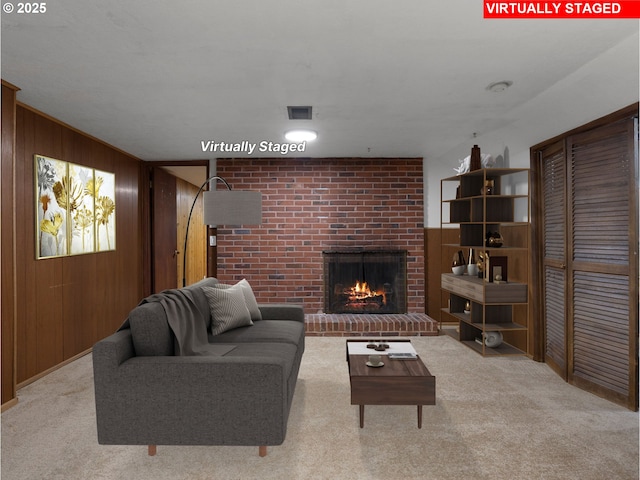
(224, 207)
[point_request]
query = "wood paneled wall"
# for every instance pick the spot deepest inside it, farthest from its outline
(62, 306)
(7, 244)
(436, 263)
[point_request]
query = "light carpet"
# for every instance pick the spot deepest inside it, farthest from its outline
(495, 418)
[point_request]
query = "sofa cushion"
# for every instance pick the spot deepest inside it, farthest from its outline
(284, 352)
(249, 296)
(150, 331)
(282, 331)
(228, 308)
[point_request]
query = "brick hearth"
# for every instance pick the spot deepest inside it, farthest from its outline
(363, 325)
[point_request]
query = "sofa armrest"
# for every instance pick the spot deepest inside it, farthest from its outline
(282, 311)
(112, 351)
(204, 400)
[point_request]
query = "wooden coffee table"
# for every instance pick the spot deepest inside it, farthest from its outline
(398, 382)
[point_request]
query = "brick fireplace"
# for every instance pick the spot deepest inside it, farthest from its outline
(373, 282)
(316, 205)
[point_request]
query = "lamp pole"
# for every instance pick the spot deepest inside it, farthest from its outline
(186, 235)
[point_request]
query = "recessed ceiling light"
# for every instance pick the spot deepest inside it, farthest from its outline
(301, 135)
(501, 86)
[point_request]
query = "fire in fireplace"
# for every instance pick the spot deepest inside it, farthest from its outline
(361, 296)
(365, 281)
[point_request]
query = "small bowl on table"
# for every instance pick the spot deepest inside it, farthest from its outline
(459, 269)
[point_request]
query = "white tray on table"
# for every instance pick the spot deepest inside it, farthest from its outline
(360, 348)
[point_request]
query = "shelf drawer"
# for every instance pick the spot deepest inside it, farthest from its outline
(466, 289)
(505, 293)
(484, 292)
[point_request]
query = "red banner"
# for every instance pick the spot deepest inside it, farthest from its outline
(562, 9)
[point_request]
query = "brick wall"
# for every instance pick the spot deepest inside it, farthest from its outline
(311, 205)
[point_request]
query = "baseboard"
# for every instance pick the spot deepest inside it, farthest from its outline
(52, 369)
(7, 405)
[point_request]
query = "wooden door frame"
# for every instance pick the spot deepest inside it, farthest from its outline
(146, 208)
(537, 223)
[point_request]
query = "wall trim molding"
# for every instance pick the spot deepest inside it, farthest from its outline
(44, 373)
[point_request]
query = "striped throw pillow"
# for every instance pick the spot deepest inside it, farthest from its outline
(249, 297)
(228, 308)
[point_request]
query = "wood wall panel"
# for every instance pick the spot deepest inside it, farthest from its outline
(78, 275)
(7, 310)
(164, 231)
(438, 261)
(64, 305)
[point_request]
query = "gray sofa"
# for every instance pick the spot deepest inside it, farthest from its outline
(239, 393)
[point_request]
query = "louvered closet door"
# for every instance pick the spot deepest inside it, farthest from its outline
(554, 177)
(602, 230)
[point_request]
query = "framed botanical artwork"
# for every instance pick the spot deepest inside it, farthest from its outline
(75, 209)
(81, 210)
(51, 211)
(104, 193)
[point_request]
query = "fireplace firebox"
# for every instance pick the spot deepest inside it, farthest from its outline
(365, 281)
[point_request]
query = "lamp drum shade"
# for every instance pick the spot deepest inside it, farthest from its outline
(232, 207)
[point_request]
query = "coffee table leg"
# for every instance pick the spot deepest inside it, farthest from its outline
(419, 416)
(361, 416)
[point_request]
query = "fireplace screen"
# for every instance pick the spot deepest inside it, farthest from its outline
(365, 282)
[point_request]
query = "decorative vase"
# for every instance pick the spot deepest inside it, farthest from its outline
(472, 268)
(458, 259)
(458, 265)
(475, 163)
(492, 339)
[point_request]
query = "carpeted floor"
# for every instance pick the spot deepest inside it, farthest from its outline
(495, 418)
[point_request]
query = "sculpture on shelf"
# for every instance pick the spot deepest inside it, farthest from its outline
(494, 239)
(483, 265)
(475, 163)
(486, 161)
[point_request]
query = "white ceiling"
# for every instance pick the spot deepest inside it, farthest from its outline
(155, 78)
(195, 175)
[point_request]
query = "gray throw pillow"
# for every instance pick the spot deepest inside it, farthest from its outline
(228, 308)
(250, 298)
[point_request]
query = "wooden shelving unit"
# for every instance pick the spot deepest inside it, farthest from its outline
(495, 306)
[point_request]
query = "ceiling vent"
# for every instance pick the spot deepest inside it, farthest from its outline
(299, 113)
